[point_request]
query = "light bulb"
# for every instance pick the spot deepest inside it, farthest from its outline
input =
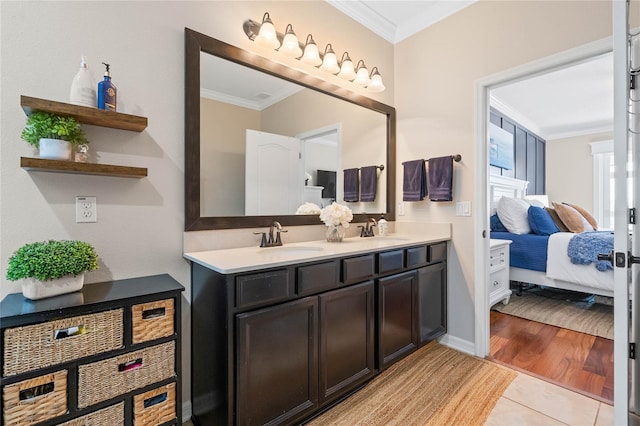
(267, 35)
(362, 74)
(330, 61)
(346, 68)
(376, 82)
(311, 54)
(290, 46)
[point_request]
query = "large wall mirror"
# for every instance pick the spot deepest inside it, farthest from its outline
(262, 138)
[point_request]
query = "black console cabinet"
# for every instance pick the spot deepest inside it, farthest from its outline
(277, 345)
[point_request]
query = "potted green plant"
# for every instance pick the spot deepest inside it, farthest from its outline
(55, 136)
(51, 267)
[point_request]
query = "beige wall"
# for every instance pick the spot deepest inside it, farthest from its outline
(435, 97)
(569, 163)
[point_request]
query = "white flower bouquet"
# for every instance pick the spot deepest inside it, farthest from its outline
(308, 208)
(336, 214)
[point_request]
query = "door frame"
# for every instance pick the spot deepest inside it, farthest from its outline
(481, 200)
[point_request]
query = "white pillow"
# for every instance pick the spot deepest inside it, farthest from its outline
(514, 215)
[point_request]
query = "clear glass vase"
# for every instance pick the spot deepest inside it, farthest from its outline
(335, 233)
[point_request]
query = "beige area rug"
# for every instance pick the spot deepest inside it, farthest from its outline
(433, 386)
(582, 315)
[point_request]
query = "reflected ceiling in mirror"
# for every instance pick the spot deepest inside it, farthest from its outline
(244, 116)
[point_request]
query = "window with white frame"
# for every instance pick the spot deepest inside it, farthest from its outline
(603, 181)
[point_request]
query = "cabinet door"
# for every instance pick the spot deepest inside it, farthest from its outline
(277, 363)
(346, 339)
(397, 313)
(432, 295)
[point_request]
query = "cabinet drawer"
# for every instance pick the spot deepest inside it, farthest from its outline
(358, 269)
(35, 400)
(437, 252)
(111, 377)
(41, 345)
(152, 320)
(316, 278)
(155, 407)
(390, 261)
(264, 287)
(113, 415)
(497, 260)
(417, 256)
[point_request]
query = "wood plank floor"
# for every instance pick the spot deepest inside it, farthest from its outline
(576, 361)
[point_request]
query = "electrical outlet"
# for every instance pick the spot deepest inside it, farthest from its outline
(400, 209)
(86, 209)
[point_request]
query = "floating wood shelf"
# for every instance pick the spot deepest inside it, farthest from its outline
(85, 115)
(62, 166)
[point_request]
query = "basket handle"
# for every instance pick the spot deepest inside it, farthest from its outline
(154, 313)
(63, 333)
(26, 395)
(130, 365)
(155, 400)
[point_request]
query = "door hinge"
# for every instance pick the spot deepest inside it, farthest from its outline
(632, 350)
(632, 216)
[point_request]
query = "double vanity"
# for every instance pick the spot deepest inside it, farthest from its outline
(281, 333)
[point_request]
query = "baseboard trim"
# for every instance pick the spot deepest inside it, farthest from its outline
(186, 411)
(458, 344)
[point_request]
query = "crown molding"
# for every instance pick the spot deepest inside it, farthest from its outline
(437, 11)
(515, 115)
(359, 11)
(257, 105)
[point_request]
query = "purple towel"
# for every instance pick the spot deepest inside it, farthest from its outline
(440, 178)
(351, 185)
(368, 183)
(414, 184)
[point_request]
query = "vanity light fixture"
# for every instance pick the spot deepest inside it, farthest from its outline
(265, 34)
(290, 45)
(347, 72)
(362, 74)
(311, 54)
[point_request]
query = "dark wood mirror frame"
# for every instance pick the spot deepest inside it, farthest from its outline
(197, 42)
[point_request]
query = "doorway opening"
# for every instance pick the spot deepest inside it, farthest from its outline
(504, 336)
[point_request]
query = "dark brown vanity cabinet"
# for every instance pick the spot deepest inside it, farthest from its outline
(276, 345)
(432, 299)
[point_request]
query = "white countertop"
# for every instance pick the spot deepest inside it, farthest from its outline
(228, 261)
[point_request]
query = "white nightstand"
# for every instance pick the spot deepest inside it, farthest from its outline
(499, 271)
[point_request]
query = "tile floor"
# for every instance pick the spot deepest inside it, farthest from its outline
(529, 401)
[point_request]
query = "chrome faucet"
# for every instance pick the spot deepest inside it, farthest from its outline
(367, 229)
(268, 239)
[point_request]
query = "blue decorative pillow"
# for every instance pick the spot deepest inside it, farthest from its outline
(496, 225)
(541, 221)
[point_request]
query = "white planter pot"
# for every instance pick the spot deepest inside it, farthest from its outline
(35, 289)
(55, 149)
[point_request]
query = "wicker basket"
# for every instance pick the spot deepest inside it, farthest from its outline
(111, 377)
(36, 346)
(152, 320)
(155, 413)
(35, 400)
(110, 416)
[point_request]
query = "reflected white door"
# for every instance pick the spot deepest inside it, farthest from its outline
(273, 174)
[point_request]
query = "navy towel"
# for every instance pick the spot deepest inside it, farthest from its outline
(414, 184)
(441, 178)
(368, 183)
(351, 185)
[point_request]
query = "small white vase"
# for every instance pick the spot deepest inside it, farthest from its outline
(54, 149)
(35, 289)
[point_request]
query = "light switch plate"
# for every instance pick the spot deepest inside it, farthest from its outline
(463, 208)
(86, 209)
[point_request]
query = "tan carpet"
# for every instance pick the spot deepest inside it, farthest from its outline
(583, 316)
(433, 386)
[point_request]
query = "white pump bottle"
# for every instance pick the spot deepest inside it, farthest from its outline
(83, 89)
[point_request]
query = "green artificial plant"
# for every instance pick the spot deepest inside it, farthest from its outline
(47, 125)
(52, 259)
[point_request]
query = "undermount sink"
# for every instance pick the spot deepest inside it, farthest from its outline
(289, 250)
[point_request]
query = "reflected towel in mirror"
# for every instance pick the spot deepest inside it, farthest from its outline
(351, 185)
(368, 183)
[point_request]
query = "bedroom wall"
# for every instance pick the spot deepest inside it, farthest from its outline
(435, 97)
(576, 186)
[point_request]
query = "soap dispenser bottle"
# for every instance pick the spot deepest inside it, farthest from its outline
(83, 89)
(107, 92)
(383, 226)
